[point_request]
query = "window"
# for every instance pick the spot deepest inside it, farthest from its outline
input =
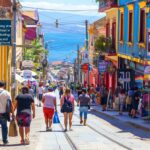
(113, 35)
(108, 30)
(142, 25)
(130, 31)
(121, 26)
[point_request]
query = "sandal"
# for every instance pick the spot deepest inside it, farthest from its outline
(22, 142)
(27, 142)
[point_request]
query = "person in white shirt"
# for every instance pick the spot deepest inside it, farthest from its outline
(4, 96)
(40, 94)
(49, 107)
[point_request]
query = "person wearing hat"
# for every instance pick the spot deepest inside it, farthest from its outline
(49, 107)
(84, 103)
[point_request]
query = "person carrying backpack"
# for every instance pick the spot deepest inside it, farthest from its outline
(5, 106)
(67, 108)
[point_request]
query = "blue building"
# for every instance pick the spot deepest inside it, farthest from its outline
(133, 42)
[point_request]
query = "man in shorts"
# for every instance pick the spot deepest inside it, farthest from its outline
(4, 96)
(49, 107)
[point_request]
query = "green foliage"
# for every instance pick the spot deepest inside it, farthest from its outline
(35, 53)
(102, 44)
(96, 1)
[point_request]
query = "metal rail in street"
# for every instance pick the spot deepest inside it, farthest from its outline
(71, 143)
(107, 137)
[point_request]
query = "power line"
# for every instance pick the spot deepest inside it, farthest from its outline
(74, 10)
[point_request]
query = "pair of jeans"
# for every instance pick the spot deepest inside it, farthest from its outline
(83, 110)
(3, 123)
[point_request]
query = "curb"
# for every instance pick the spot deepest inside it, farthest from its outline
(128, 122)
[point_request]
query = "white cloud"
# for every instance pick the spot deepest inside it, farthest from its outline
(62, 6)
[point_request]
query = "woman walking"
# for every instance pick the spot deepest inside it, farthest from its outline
(84, 103)
(24, 103)
(67, 108)
(49, 107)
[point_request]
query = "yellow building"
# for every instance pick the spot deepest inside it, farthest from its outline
(6, 52)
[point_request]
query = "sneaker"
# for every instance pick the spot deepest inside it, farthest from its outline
(5, 142)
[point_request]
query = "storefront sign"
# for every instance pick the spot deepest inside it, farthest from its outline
(148, 42)
(5, 32)
(126, 78)
(102, 66)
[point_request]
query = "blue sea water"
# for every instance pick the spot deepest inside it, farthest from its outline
(62, 41)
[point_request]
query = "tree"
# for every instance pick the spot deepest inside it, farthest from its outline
(102, 44)
(35, 53)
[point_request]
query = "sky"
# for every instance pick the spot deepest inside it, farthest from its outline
(64, 4)
(63, 41)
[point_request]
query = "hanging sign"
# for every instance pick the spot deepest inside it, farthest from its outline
(5, 32)
(102, 66)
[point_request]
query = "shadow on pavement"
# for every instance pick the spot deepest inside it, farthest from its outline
(51, 131)
(11, 145)
(123, 126)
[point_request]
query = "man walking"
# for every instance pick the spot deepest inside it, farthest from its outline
(84, 103)
(4, 96)
(49, 106)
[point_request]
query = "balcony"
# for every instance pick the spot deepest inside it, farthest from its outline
(107, 4)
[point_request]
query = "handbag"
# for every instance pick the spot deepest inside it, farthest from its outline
(56, 118)
(13, 132)
(67, 106)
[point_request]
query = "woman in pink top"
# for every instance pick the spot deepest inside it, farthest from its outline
(67, 107)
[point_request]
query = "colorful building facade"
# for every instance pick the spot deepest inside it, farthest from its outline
(6, 51)
(110, 7)
(133, 27)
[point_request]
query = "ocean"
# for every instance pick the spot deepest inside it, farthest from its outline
(62, 41)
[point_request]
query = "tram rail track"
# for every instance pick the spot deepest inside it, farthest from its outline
(107, 137)
(70, 141)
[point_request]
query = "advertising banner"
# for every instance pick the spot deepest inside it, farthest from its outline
(102, 66)
(5, 32)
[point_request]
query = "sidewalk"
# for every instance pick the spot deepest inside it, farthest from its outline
(138, 122)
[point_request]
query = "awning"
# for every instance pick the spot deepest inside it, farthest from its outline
(112, 58)
(138, 60)
(19, 78)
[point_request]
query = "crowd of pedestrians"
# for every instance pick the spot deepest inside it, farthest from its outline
(23, 107)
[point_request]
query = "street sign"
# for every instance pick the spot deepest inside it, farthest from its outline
(102, 66)
(5, 32)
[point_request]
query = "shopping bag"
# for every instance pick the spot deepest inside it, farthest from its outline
(56, 118)
(13, 132)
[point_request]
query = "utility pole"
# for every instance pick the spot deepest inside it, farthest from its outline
(78, 64)
(87, 47)
(14, 50)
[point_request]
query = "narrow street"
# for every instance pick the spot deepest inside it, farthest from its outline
(101, 133)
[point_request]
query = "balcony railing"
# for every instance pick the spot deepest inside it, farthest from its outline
(107, 4)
